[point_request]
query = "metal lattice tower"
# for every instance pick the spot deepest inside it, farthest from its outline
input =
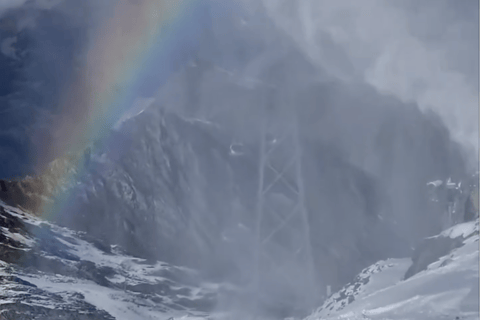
(283, 253)
(283, 233)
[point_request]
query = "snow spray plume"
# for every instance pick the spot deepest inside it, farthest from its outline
(422, 52)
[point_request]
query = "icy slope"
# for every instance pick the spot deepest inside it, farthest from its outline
(446, 289)
(48, 272)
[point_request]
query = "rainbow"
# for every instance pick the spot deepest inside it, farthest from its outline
(138, 41)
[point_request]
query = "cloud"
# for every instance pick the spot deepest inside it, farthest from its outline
(419, 52)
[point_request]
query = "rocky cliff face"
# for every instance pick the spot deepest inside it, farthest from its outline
(32, 193)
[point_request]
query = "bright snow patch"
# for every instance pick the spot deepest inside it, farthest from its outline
(435, 183)
(446, 290)
(463, 229)
(140, 105)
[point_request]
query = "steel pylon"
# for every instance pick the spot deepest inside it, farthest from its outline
(283, 244)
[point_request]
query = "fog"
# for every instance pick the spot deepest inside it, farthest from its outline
(419, 52)
(385, 95)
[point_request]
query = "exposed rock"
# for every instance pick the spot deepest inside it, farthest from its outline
(433, 248)
(33, 192)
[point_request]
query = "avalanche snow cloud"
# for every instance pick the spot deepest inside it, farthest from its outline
(420, 51)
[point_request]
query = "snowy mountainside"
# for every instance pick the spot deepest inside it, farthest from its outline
(445, 289)
(465, 230)
(160, 185)
(175, 192)
(168, 188)
(50, 272)
(370, 279)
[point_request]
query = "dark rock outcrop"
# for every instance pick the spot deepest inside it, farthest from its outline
(33, 192)
(429, 251)
(432, 249)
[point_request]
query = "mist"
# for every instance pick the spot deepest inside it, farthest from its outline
(385, 99)
(419, 52)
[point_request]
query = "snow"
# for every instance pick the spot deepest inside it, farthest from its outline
(435, 183)
(236, 149)
(380, 275)
(463, 229)
(17, 237)
(139, 106)
(201, 122)
(118, 302)
(112, 301)
(21, 214)
(446, 290)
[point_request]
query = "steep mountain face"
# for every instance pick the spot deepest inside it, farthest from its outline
(160, 182)
(170, 188)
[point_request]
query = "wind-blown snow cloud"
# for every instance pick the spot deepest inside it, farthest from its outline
(423, 52)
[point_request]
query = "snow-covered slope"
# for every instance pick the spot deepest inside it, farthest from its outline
(446, 289)
(49, 272)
